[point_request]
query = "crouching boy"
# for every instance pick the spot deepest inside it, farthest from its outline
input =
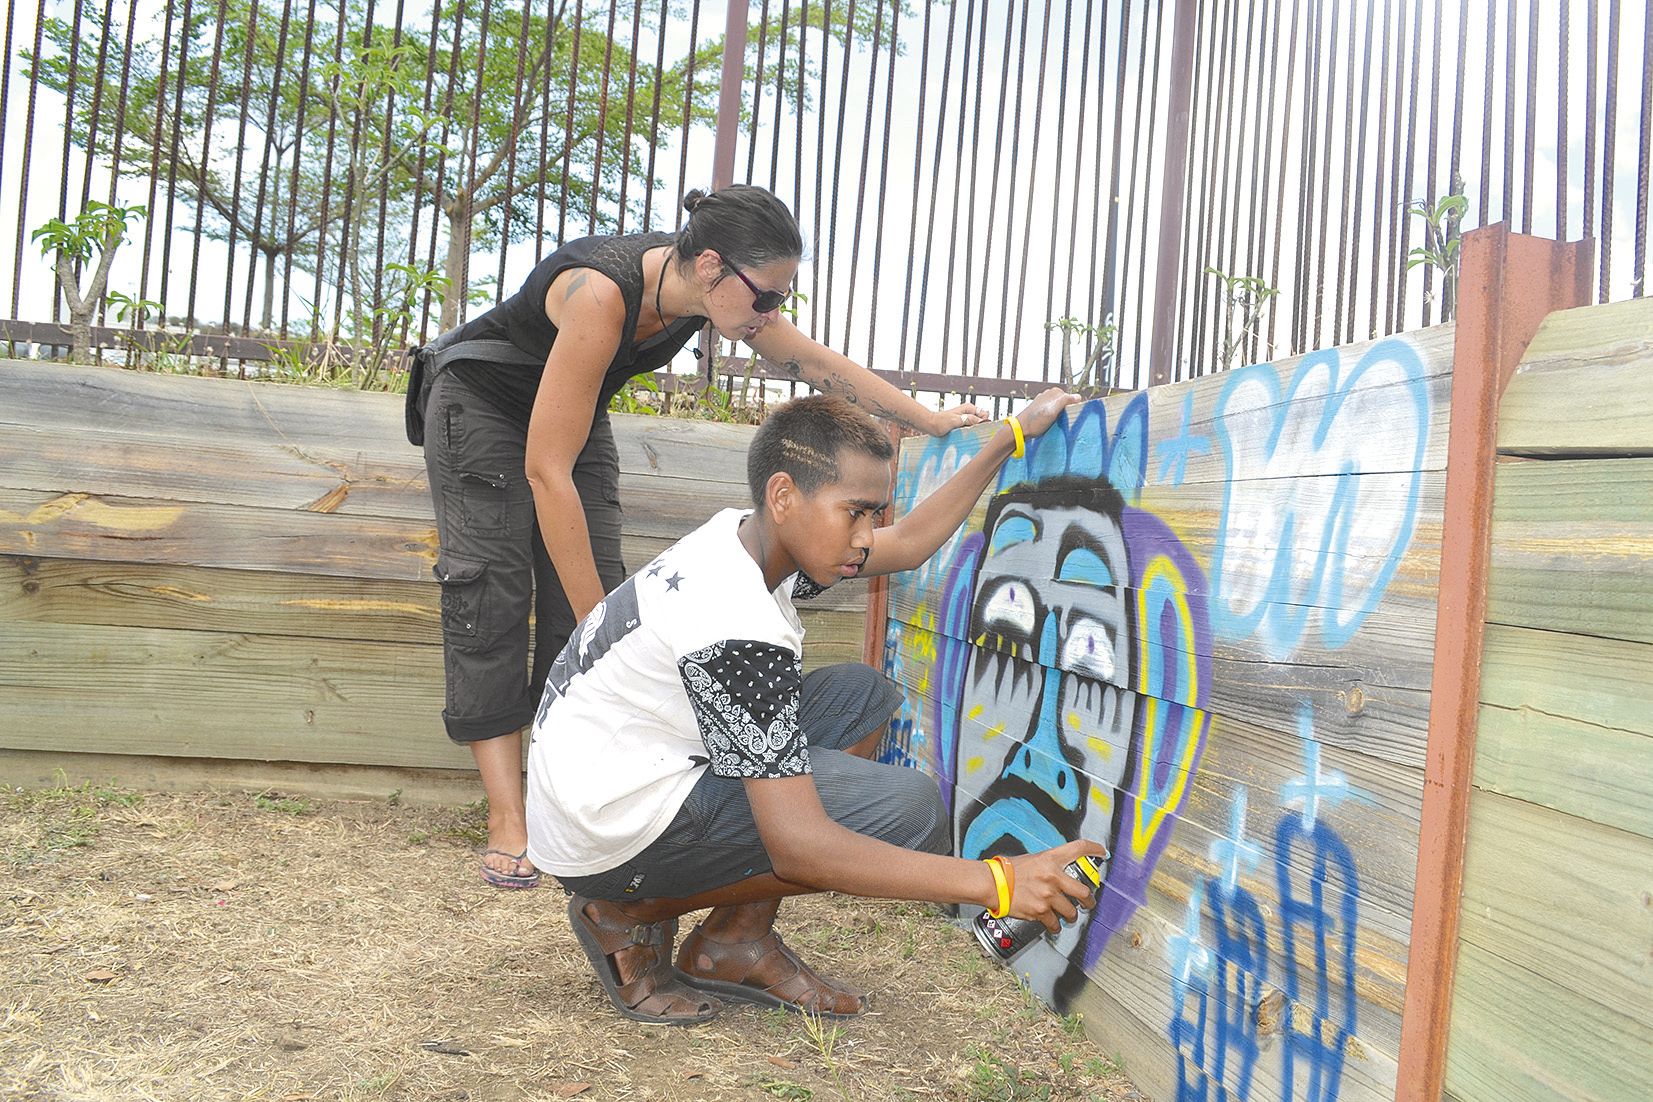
(681, 760)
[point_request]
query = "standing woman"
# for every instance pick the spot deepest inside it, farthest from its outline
(522, 461)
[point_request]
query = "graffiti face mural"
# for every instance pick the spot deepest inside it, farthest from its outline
(1044, 728)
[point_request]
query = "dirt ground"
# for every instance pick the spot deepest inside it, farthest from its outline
(238, 946)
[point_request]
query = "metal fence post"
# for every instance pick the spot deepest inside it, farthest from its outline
(729, 94)
(1508, 284)
(728, 127)
(1173, 192)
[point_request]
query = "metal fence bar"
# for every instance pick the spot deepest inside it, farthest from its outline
(68, 131)
(1113, 290)
(1638, 268)
(206, 150)
(602, 121)
(1009, 218)
(1608, 135)
(757, 94)
(1147, 176)
(935, 187)
(28, 148)
(884, 177)
(1182, 301)
(816, 307)
(1591, 51)
(240, 155)
(631, 103)
(511, 144)
(866, 157)
(918, 180)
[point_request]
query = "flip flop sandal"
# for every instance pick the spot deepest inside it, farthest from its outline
(726, 968)
(649, 997)
(506, 879)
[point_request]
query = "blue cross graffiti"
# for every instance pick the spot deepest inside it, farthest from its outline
(1235, 851)
(1174, 452)
(1314, 788)
(1190, 957)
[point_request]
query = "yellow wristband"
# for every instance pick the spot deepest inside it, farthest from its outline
(1010, 878)
(1003, 887)
(1021, 441)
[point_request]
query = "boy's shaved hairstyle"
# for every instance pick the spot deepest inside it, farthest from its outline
(804, 438)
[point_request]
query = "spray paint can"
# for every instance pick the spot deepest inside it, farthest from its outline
(1005, 937)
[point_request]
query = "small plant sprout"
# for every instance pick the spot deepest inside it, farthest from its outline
(1244, 298)
(1439, 250)
(97, 231)
(1095, 375)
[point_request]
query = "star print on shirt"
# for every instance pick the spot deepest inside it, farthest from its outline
(671, 582)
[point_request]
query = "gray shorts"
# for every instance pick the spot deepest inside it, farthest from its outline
(492, 563)
(713, 841)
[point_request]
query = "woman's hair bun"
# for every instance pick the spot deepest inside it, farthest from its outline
(693, 200)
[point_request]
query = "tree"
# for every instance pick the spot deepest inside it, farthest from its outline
(98, 230)
(329, 144)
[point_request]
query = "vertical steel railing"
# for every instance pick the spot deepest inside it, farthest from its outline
(1295, 147)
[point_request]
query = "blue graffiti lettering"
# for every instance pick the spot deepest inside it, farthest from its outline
(1298, 554)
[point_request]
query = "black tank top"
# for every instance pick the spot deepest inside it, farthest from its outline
(521, 320)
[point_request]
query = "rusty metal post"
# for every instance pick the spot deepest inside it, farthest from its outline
(729, 95)
(1173, 192)
(878, 589)
(728, 128)
(1507, 285)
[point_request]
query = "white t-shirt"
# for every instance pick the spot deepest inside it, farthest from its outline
(691, 663)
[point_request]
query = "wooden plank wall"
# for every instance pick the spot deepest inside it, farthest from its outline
(231, 570)
(1554, 990)
(1197, 624)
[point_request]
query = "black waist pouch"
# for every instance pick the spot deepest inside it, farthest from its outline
(413, 410)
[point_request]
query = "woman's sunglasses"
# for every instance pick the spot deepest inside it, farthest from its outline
(762, 301)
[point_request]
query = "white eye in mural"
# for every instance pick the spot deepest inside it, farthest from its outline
(1088, 649)
(1009, 608)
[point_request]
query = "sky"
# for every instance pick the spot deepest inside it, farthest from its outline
(1053, 267)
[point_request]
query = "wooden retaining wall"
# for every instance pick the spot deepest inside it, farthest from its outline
(1554, 991)
(214, 569)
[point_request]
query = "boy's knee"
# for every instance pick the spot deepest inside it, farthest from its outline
(923, 817)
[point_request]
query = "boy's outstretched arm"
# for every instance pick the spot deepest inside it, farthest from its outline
(807, 847)
(910, 541)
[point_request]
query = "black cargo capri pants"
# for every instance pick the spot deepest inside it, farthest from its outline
(492, 562)
(713, 840)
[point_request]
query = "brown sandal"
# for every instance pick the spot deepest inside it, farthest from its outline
(729, 968)
(658, 994)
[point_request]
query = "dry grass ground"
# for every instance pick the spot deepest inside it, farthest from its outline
(213, 946)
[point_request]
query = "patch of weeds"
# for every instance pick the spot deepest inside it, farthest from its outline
(995, 1079)
(466, 825)
(776, 1021)
(286, 805)
(372, 1085)
(1032, 1009)
(824, 1035)
(67, 816)
(1074, 1025)
(1099, 1066)
(784, 1089)
(970, 965)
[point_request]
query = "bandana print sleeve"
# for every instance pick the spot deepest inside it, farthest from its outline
(804, 587)
(745, 697)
